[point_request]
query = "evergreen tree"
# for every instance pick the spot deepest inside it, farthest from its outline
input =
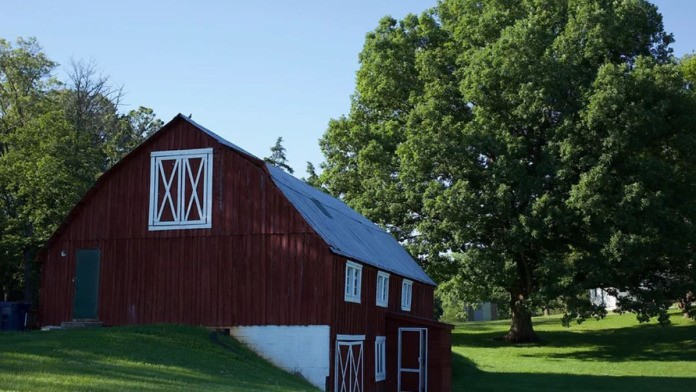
(277, 157)
(312, 176)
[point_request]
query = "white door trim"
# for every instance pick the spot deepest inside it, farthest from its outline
(422, 364)
(350, 337)
(350, 367)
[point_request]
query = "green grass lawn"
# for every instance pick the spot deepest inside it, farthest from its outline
(614, 354)
(152, 358)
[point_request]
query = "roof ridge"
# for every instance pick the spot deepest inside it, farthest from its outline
(217, 137)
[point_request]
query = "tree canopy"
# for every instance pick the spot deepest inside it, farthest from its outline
(688, 67)
(56, 138)
(536, 148)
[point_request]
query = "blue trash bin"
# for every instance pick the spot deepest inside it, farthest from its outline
(13, 316)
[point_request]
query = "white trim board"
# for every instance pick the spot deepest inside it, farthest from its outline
(350, 337)
(175, 153)
(423, 364)
(349, 367)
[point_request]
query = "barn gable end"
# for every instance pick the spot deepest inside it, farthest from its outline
(170, 276)
(268, 260)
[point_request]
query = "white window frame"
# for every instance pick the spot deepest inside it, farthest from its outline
(380, 358)
(182, 174)
(383, 289)
(406, 294)
(353, 282)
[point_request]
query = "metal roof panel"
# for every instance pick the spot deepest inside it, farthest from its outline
(347, 232)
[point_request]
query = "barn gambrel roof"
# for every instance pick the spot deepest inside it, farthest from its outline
(344, 230)
(347, 232)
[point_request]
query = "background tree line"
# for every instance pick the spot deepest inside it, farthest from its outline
(56, 138)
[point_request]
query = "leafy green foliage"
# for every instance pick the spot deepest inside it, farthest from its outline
(688, 68)
(24, 83)
(312, 176)
(132, 129)
(540, 148)
(55, 140)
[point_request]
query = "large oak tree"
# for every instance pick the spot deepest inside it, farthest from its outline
(535, 147)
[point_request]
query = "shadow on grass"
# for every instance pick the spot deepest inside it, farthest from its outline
(504, 323)
(635, 343)
(467, 377)
(638, 343)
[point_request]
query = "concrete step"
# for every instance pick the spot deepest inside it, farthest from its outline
(83, 323)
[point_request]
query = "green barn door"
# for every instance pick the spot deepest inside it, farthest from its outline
(86, 284)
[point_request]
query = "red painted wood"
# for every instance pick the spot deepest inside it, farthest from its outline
(439, 350)
(243, 271)
(366, 318)
(260, 263)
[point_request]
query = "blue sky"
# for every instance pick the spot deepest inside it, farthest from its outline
(248, 70)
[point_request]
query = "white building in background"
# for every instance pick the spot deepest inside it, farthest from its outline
(485, 311)
(600, 297)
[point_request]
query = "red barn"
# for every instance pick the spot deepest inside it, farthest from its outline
(191, 229)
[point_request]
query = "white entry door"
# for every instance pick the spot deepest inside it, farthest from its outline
(413, 360)
(348, 369)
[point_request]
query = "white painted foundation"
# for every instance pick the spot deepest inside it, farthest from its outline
(297, 349)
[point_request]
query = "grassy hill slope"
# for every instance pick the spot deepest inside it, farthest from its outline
(152, 358)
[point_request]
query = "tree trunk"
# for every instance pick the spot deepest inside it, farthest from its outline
(685, 303)
(521, 330)
(688, 303)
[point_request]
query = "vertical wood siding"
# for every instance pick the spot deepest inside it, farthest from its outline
(366, 318)
(439, 352)
(260, 263)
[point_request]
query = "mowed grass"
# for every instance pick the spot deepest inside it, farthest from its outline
(614, 354)
(148, 358)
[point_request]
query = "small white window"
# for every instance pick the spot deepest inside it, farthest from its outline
(380, 358)
(353, 281)
(382, 289)
(181, 189)
(406, 291)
